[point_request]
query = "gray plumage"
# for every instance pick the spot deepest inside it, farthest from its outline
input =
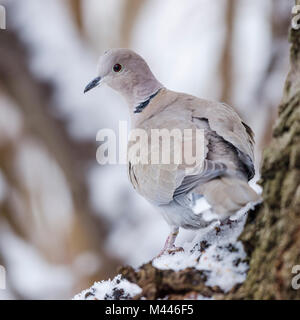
(222, 178)
(227, 168)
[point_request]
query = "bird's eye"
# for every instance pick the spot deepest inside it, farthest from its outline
(117, 67)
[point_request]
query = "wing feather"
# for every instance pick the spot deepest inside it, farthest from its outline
(161, 183)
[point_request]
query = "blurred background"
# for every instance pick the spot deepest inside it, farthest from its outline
(66, 221)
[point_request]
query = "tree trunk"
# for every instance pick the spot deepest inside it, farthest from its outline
(272, 235)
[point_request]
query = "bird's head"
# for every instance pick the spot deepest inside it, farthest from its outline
(126, 72)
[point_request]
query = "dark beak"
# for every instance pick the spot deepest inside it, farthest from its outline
(92, 84)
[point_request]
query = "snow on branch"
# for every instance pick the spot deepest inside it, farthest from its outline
(213, 264)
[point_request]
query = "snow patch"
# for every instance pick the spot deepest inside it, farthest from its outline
(214, 250)
(116, 289)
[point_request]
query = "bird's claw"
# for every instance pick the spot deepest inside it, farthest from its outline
(174, 250)
(170, 251)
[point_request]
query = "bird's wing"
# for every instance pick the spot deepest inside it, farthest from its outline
(157, 182)
(224, 120)
(210, 170)
(160, 182)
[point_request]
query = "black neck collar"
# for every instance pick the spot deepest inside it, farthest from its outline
(144, 104)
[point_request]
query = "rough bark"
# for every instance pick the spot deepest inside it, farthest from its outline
(272, 233)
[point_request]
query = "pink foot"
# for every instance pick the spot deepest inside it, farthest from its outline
(169, 246)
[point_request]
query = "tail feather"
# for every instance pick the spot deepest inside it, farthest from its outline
(227, 195)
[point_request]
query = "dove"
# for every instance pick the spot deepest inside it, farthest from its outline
(222, 174)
